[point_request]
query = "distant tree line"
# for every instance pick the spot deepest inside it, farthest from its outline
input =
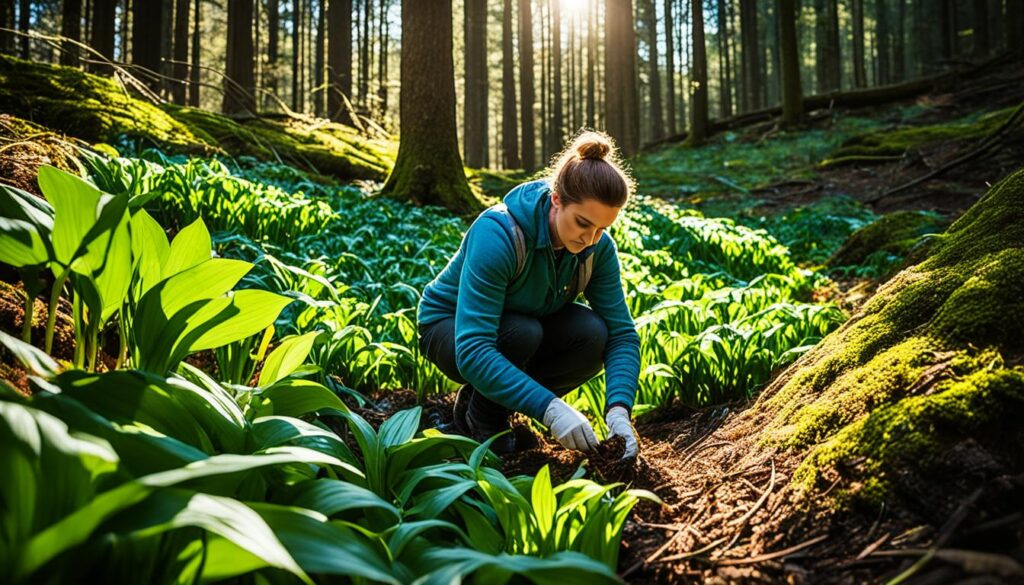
(528, 73)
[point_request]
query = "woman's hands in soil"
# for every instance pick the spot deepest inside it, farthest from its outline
(619, 425)
(569, 426)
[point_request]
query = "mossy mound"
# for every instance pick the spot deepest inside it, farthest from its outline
(97, 110)
(26, 147)
(86, 106)
(881, 146)
(930, 363)
(893, 235)
(316, 145)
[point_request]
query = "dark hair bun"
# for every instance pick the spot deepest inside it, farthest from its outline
(593, 146)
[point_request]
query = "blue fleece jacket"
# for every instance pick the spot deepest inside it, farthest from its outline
(477, 286)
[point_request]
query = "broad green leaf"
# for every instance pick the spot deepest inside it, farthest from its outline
(36, 361)
(20, 243)
(400, 427)
(296, 397)
(74, 202)
(149, 250)
(191, 247)
(331, 496)
(543, 500)
(288, 356)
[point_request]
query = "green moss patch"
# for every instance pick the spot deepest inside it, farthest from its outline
(928, 361)
(316, 145)
(98, 110)
(86, 106)
(881, 146)
(887, 240)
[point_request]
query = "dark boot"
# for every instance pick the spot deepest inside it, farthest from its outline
(480, 428)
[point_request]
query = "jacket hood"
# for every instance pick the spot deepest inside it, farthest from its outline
(529, 204)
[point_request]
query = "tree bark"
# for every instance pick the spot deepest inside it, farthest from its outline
(339, 59)
(792, 100)
(6, 21)
(428, 169)
(475, 89)
(724, 84)
(979, 14)
(193, 84)
(509, 122)
(883, 68)
(273, 51)
(899, 45)
(750, 56)
(147, 29)
(670, 68)
(318, 58)
(653, 72)
(71, 28)
(382, 61)
(829, 69)
(860, 76)
(297, 77)
(555, 133)
(101, 36)
(180, 65)
(526, 89)
(364, 55)
(239, 83)
(699, 127)
(1015, 26)
(592, 66)
(622, 114)
(24, 12)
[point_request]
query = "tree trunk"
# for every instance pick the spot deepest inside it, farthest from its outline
(792, 100)
(979, 15)
(239, 82)
(382, 64)
(883, 69)
(750, 56)
(1015, 26)
(193, 83)
(829, 70)
(24, 12)
(653, 73)
(180, 65)
(592, 66)
(101, 36)
(860, 75)
(622, 114)
(526, 90)
(724, 85)
(147, 29)
(6, 21)
(557, 123)
(71, 28)
(475, 89)
(364, 55)
(670, 68)
(339, 59)
(428, 169)
(273, 52)
(297, 89)
(509, 122)
(699, 126)
(899, 46)
(318, 60)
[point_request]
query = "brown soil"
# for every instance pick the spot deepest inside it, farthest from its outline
(24, 147)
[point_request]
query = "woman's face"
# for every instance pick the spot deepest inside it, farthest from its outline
(578, 225)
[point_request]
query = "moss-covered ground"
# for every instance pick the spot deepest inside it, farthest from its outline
(98, 110)
(927, 362)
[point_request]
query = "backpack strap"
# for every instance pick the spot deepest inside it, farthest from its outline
(518, 238)
(581, 278)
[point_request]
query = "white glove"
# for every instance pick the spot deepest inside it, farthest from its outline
(569, 426)
(619, 425)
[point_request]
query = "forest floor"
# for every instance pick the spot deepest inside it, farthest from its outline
(718, 488)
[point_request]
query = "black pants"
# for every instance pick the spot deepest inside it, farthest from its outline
(561, 351)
